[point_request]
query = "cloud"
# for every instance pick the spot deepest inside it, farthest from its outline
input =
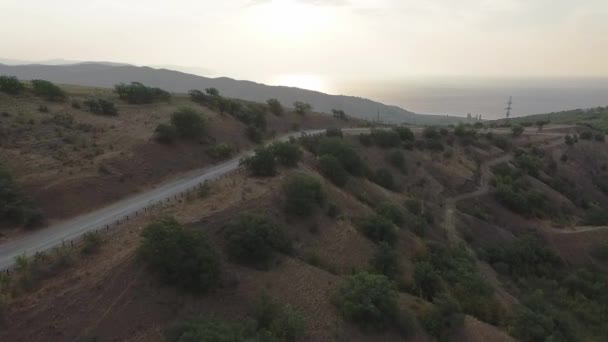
(306, 2)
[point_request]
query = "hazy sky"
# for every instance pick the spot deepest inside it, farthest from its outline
(285, 40)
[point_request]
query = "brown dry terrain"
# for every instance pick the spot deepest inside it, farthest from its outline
(111, 295)
(71, 161)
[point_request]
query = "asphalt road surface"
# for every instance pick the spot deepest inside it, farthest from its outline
(47, 238)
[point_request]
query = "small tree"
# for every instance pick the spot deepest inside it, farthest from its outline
(384, 178)
(332, 169)
(303, 194)
(339, 114)
(405, 133)
(188, 123)
(181, 257)
(48, 90)
(212, 92)
(334, 132)
(369, 300)
(220, 151)
(379, 229)
(517, 130)
(254, 239)
(302, 108)
(262, 163)
(386, 261)
(165, 134)
(11, 85)
(397, 159)
(286, 153)
(392, 212)
(275, 107)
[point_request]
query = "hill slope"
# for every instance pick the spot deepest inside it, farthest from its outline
(103, 75)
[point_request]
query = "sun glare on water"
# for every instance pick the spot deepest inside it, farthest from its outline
(304, 81)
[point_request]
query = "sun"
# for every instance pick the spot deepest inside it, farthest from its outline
(290, 18)
(303, 81)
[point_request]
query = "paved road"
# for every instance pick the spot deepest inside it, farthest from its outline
(47, 238)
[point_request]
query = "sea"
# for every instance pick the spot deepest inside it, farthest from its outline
(487, 97)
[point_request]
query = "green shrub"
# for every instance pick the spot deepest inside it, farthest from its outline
(397, 159)
(431, 133)
(384, 178)
(379, 229)
(332, 169)
(15, 207)
(11, 85)
(188, 123)
(165, 134)
(206, 330)
(275, 107)
(525, 256)
(596, 216)
(339, 114)
(92, 243)
(286, 153)
(302, 108)
(386, 138)
(100, 106)
(254, 134)
(344, 152)
(392, 212)
(137, 93)
(43, 109)
(48, 90)
(334, 132)
(254, 240)
(517, 130)
(181, 257)
(586, 135)
(303, 194)
(276, 323)
(427, 281)
(76, 104)
(600, 137)
(445, 315)
(386, 261)
(220, 151)
(368, 300)
(262, 163)
(405, 134)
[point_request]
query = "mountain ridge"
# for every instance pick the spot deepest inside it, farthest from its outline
(106, 76)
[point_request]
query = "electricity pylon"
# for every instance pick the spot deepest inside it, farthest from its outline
(508, 109)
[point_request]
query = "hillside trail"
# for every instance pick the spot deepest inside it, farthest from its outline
(483, 188)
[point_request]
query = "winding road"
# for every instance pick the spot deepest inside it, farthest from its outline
(49, 237)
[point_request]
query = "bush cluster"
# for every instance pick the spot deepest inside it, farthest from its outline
(303, 194)
(15, 207)
(48, 90)
(186, 123)
(379, 229)
(254, 240)
(181, 257)
(265, 159)
(269, 321)
(100, 106)
(368, 300)
(137, 93)
(11, 85)
(221, 151)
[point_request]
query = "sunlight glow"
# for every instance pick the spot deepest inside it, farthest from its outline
(304, 81)
(290, 18)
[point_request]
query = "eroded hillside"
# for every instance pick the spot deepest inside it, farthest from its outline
(464, 234)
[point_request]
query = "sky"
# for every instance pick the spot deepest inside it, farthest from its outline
(312, 43)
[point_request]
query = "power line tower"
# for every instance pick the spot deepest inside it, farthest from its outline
(509, 108)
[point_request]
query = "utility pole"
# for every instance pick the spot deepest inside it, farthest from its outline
(509, 108)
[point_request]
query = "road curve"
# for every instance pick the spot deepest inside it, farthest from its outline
(47, 238)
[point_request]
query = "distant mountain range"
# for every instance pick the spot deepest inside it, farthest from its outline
(106, 74)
